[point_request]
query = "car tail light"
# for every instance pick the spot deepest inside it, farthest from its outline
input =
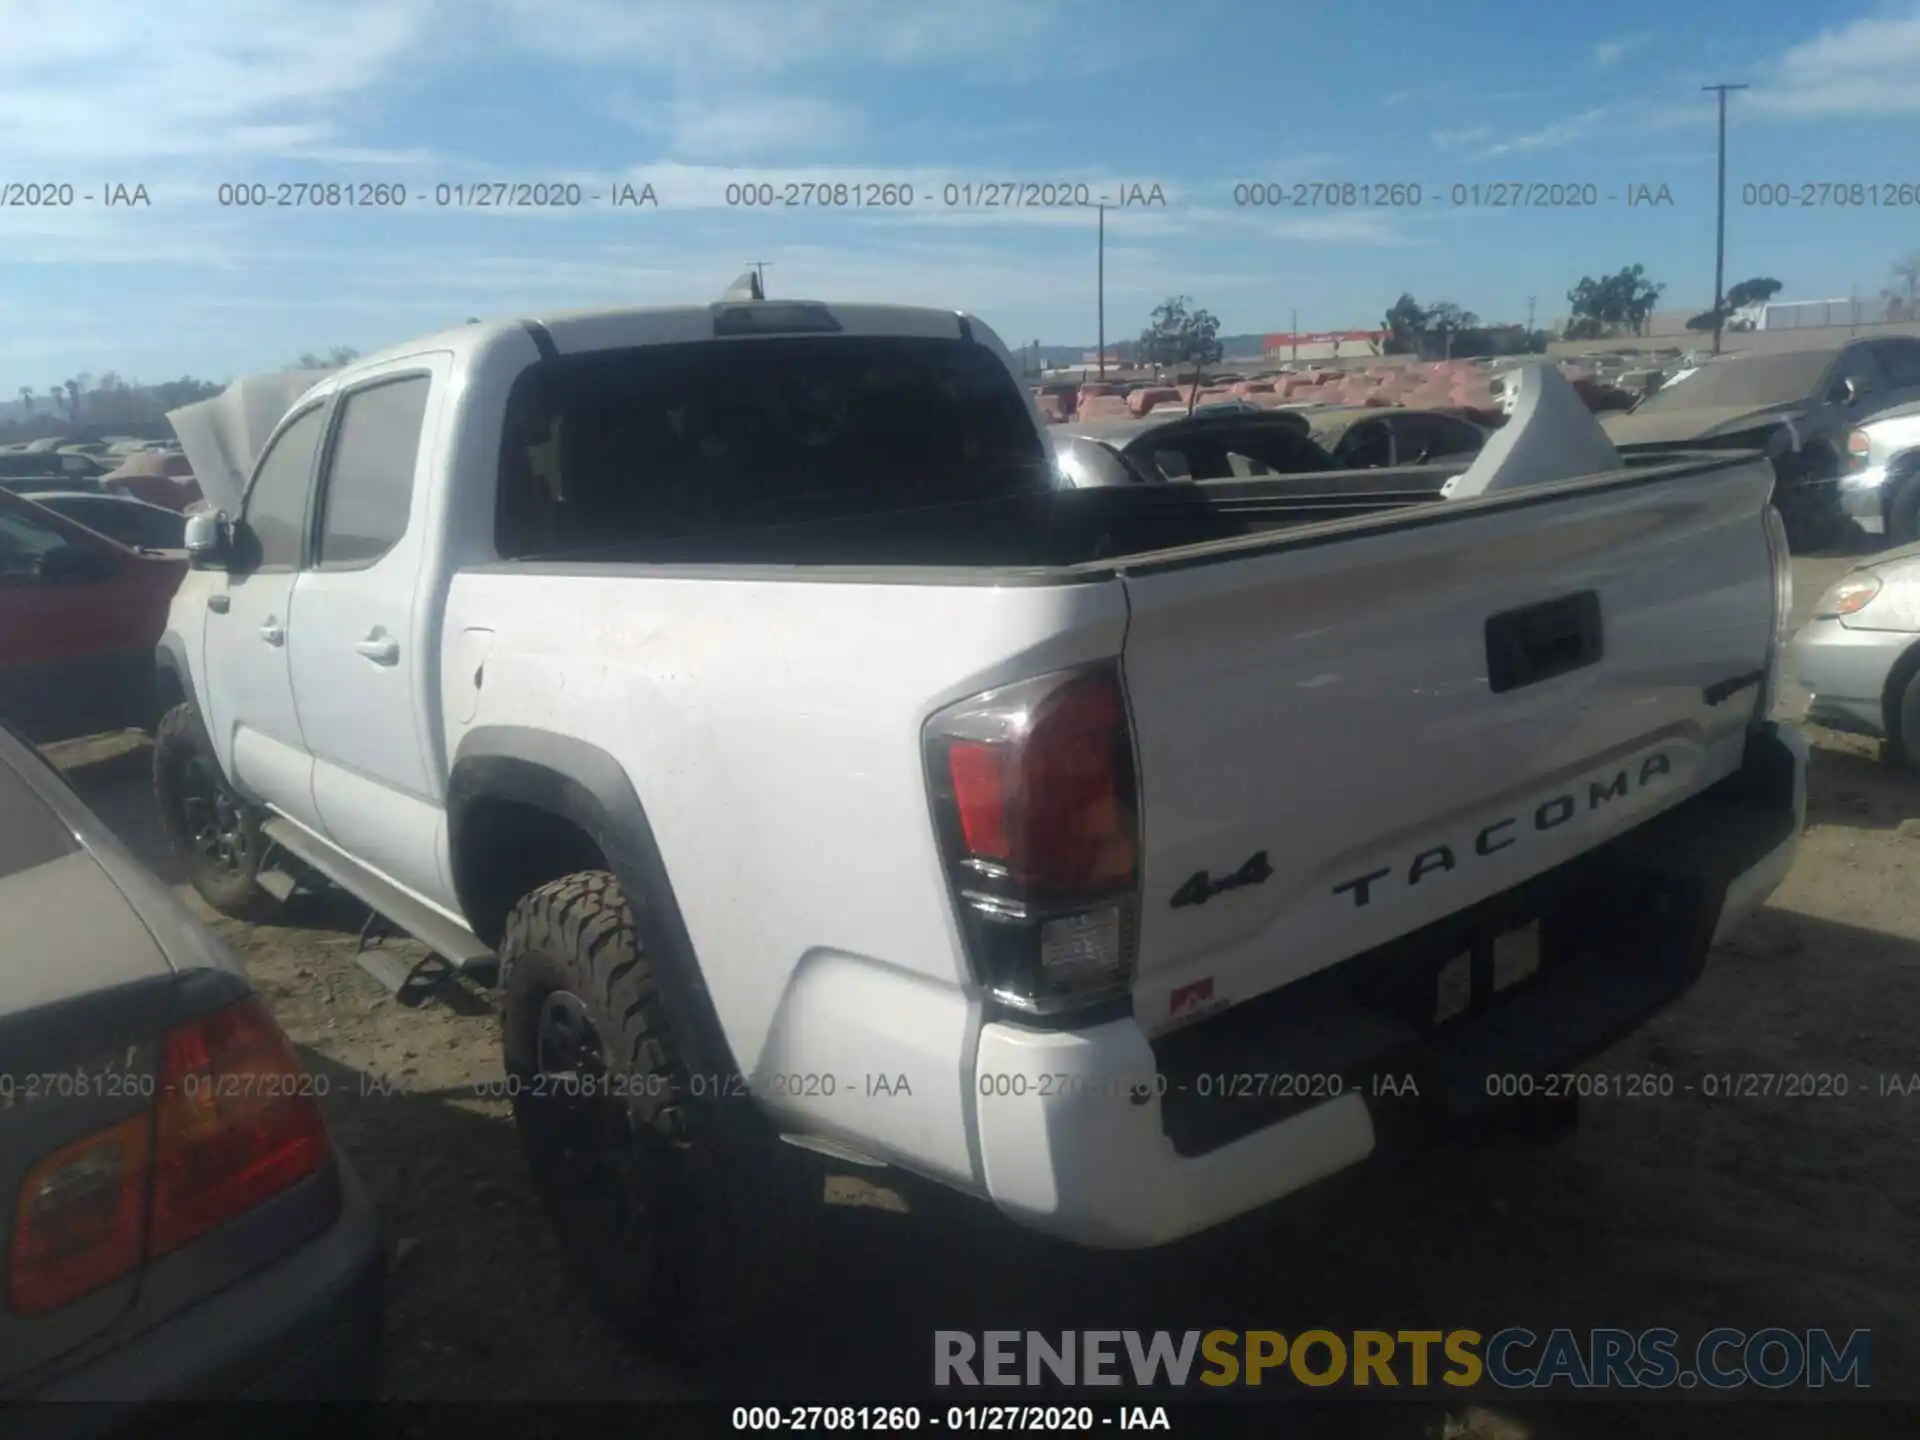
(1781, 558)
(234, 1125)
(81, 1219)
(1035, 802)
(1858, 445)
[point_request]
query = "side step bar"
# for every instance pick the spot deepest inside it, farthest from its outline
(456, 950)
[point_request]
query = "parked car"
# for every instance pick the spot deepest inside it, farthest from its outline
(1363, 438)
(1798, 407)
(835, 790)
(79, 617)
(53, 485)
(134, 523)
(157, 477)
(1215, 445)
(45, 464)
(1880, 489)
(178, 1223)
(1859, 655)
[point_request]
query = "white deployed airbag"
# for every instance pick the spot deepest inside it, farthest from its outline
(1550, 435)
(222, 437)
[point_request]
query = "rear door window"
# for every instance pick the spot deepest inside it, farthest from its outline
(678, 442)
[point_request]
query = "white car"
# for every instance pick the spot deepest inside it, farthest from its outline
(831, 789)
(1880, 487)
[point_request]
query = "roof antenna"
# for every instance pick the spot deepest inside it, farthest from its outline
(747, 287)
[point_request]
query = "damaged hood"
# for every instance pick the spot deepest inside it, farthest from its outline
(1681, 427)
(223, 436)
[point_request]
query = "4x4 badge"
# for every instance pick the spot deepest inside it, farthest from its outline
(1256, 870)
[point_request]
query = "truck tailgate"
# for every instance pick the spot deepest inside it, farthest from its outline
(1350, 735)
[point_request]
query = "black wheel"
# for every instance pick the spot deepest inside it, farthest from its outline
(1903, 516)
(675, 1221)
(215, 832)
(1902, 746)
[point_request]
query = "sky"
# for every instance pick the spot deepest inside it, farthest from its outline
(196, 106)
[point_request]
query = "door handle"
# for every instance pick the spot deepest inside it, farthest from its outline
(272, 633)
(381, 649)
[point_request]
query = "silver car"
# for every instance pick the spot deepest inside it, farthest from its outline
(1860, 653)
(177, 1223)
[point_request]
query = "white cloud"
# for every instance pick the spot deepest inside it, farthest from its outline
(1611, 52)
(1551, 137)
(1458, 139)
(102, 81)
(723, 37)
(1867, 67)
(740, 126)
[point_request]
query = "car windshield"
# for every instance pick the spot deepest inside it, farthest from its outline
(1749, 382)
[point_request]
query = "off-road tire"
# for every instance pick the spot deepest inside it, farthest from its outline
(674, 1217)
(184, 764)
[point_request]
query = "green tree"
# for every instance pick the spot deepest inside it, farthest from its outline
(334, 359)
(1613, 302)
(1752, 292)
(1180, 334)
(1404, 323)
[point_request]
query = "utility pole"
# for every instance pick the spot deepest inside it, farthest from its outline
(1293, 333)
(1720, 223)
(1102, 301)
(1530, 300)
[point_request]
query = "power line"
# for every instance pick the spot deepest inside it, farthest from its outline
(1720, 221)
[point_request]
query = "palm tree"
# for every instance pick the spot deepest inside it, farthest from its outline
(26, 398)
(72, 387)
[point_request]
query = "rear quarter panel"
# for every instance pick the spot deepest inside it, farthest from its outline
(772, 729)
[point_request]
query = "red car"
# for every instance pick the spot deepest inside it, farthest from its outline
(79, 618)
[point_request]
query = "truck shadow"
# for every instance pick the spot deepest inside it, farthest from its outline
(1851, 787)
(114, 775)
(1696, 1208)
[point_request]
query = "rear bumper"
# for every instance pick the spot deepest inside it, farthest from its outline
(308, 1328)
(1846, 671)
(1101, 1136)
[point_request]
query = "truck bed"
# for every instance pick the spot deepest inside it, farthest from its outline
(1309, 682)
(1069, 529)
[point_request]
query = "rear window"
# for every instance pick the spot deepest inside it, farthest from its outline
(671, 443)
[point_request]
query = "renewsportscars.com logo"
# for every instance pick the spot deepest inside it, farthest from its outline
(1375, 1360)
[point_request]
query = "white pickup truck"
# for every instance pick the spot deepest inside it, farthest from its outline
(737, 683)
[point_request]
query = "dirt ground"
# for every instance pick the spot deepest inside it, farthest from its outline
(1686, 1212)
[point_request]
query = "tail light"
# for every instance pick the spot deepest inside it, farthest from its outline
(233, 1126)
(1034, 799)
(82, 1219)
(236, 1125)
(1858, 446)
(1781, 558)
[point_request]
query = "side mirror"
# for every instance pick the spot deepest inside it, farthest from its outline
(208, 540)
(1858, 387)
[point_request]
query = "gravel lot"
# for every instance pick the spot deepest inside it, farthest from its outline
(1684, 1212)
